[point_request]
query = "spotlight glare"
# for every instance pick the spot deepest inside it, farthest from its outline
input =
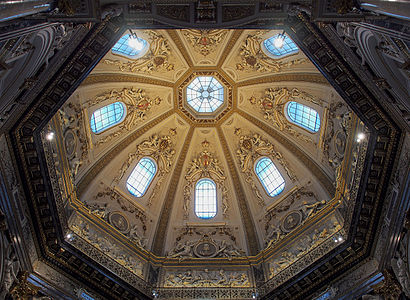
(50, 136)
(135, 43)
(278, 42)
(340, 239)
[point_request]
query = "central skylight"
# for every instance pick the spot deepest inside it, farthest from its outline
(205, 94)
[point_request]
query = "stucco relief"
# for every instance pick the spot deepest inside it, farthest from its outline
(109, 201)
(252, 147)
(204, 41)
(137, 104)
(157, 59)
(291, 212)
(339, 126)
(253, 58)
(107, 245)
(272, 105)
(207, 278)
(71, 118)
(193, 242)
(205, 165)
(304, 245)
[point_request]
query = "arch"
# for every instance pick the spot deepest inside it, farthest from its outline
(303, 116)
(287, 47)
(107, 116)
(205, 199)
(269, 176)
(141, 177)
(130, 47)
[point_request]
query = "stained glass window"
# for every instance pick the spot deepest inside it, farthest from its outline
(205, 94)
(205, 199)
(280, 45)
(269, 176)
(141, 177)
(130, 47)
(303, 116)
(107, 116)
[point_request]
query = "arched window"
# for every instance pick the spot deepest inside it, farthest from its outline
(303, 116)
(280, 45)
(130, 47)
(205, 199)
(141, 177)
(107, 116)
(269, 176)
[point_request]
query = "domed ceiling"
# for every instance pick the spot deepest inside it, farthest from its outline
(211, 107)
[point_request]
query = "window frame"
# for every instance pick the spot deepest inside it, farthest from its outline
(286, 107)
(142, 52)
(189, 100)
(262, 183)
(124, 115)
(150, 182)
(216, 198)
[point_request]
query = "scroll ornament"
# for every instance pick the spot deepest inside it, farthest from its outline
(251, 148)
(137, 105)
(273, 107)
(205, 165)
(157, 59)
(254, 59)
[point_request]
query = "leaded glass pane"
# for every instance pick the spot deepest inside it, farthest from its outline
(133, 49)
(269, 176)
(141, 177)
(205, 199)
(288, 46)
(205, 94)
(106, 117)
(304, 116)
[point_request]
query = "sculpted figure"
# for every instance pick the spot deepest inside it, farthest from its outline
(11, 268)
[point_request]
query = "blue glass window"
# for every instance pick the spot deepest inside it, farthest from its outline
(280, 45)
(269, 176)
(85, 296)
(130, 46)
(303, 116)
(141, 177)
(205, 94)
(107, 116)
(205, 199)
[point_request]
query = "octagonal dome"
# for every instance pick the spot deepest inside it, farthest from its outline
(276, 222)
